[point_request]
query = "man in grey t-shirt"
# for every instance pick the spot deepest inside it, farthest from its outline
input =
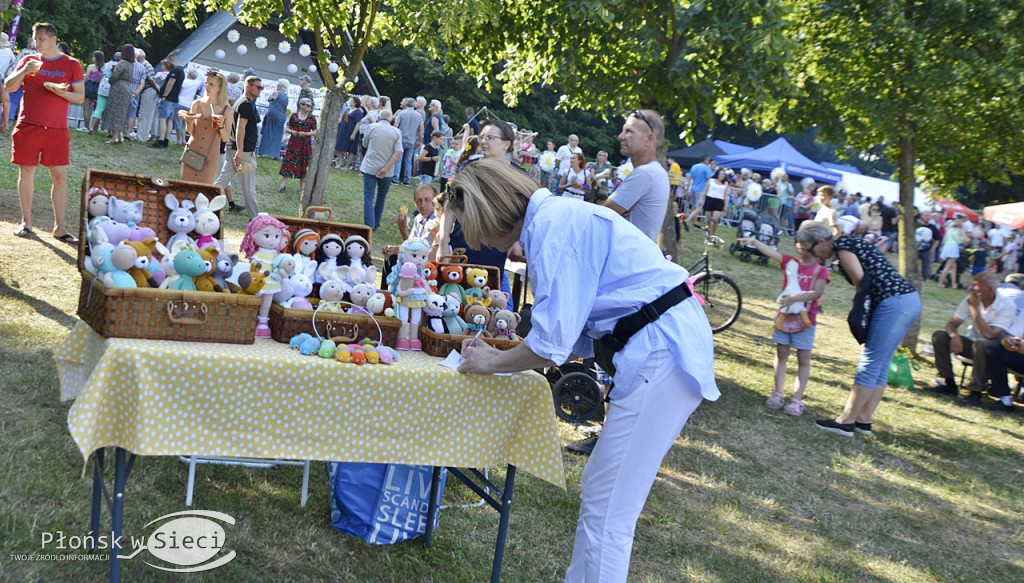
(383, 145)
(410, 123)
(642, 198)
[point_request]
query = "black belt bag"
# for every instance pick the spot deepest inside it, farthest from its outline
(606, 346)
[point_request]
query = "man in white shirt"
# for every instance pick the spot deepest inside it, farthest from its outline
(989, 314)
(6, 54)
(642, 198)
(564, 153)
(1004, 356)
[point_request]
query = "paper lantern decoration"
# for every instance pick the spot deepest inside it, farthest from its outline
(233, 35)
(261, 42)
(219, 53)
(292, 69)
(333, 67)
(242, 49)
(271, 57)
(312, 69)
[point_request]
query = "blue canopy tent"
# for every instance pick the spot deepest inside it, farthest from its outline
(780, 154)
(729, 148)
(692, 154)
(841, 167)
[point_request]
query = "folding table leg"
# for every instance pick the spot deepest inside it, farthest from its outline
(506, 509)
(435, 486)
(117, 512)
(97, 499)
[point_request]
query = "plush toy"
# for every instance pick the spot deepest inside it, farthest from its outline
(128, 213)
(189, 264)
(476, 279)
(358, 354)
(112, 263)
(381, 304)
(477, 317)
(331, 290)
(225, 269)
(205, 282)
(359, 296)
(409, 290)
(112, 230)
(207, 221)
(98, 198)
(342, 354)
(387, 355)
(327, 349)
(327, 253)
(301, 285)
(359, 268)
(181, 221)
(451, 277)
(434, 310)
(453, 323)
(263, 241)
(499, 299)
(281, 271)
(140, 267)
(305, 344)
(251, 282)
(141, 233)
(303, 248)
(503, 325)
(430, 275)
(792, 288)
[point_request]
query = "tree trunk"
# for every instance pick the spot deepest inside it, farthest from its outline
(323, 150)
(908, 265)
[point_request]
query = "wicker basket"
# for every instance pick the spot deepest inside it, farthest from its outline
(287, 322)
(436, 344)
(156, 313)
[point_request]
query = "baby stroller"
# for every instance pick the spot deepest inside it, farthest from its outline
(764, 227)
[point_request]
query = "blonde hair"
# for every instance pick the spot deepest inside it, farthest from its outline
(222, 94)
(492, 196)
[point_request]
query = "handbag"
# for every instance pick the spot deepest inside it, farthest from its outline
(859, 318)
(92, 89)
(192, 159)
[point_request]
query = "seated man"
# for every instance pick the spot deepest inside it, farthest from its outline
(1013, 288)
(1004, 356)
(990, 314)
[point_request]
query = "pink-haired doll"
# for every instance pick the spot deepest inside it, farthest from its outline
(264, 239)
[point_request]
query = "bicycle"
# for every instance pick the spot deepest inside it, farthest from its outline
(719, 295)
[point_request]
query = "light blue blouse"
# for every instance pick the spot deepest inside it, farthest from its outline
(589, 267)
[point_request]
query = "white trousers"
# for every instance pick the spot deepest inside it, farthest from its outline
(638, 432)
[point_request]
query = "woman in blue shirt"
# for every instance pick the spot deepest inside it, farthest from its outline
(592, 272)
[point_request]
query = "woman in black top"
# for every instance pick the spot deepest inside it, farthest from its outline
(895, 306)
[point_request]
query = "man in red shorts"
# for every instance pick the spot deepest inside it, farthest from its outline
(52, 80)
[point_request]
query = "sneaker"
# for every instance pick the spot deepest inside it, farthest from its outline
(157, 145)
(83, 129)
(940, 387)
(862, 428)
(235, 208)
(133, 136)
(971, 400)
(999, 406)
(845, 429)
(583, 446)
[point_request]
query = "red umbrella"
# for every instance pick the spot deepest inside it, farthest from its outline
(952, 207)
(1011, 215)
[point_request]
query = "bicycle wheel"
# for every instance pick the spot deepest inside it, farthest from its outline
(722, 300)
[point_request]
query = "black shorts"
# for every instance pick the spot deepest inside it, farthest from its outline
(713, 204)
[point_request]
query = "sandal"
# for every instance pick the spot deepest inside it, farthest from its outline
(281, 189)
(24, 232)
(795, 408)
(67, 238)
(774, 402)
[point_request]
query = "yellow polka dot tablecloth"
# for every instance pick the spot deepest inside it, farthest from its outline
(265, 400)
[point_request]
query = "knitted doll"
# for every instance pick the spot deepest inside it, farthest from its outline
(264, 239)
(409, 291)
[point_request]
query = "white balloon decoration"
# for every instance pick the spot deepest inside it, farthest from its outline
(242, 49)
(312, 69)
(292, 68)
(333, 67)
(271, 57)
(219, 53)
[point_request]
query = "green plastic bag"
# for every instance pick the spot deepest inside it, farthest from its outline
(900, 374)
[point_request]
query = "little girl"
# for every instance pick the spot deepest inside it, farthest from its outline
(813, 279)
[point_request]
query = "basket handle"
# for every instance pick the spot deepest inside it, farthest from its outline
(316, 212)
(185, 313)
(380, 333)
(458, 258)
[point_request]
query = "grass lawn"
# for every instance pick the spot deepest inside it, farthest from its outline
(746, 493)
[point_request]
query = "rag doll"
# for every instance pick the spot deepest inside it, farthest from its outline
(360, 267)
(304, 248)
(408, 287)
(327, 253)
(207, 221)
(263, 242)
(181, 221)
(98, 198)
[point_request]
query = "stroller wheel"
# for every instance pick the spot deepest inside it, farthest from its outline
(577, 397)
(763, 260)
(745, 257)
(732, 248)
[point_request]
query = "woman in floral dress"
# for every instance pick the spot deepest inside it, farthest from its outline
(301, 128)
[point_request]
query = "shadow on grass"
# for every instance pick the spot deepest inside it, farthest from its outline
(41, 307)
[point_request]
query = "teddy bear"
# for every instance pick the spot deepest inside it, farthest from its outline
(453, 323)
(139, 270)
(451, 277)
(205, 282)
(503, 325)
(476, 279)
(499, 299)
(476, 317)
(434, 310)
(430, 275)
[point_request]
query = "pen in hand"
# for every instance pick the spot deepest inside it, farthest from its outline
(478, 333)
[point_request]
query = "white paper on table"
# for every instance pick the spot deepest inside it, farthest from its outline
(455, 359)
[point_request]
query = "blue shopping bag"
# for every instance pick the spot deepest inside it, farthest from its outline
(382, 503)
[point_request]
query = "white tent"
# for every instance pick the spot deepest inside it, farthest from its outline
(875, 187)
